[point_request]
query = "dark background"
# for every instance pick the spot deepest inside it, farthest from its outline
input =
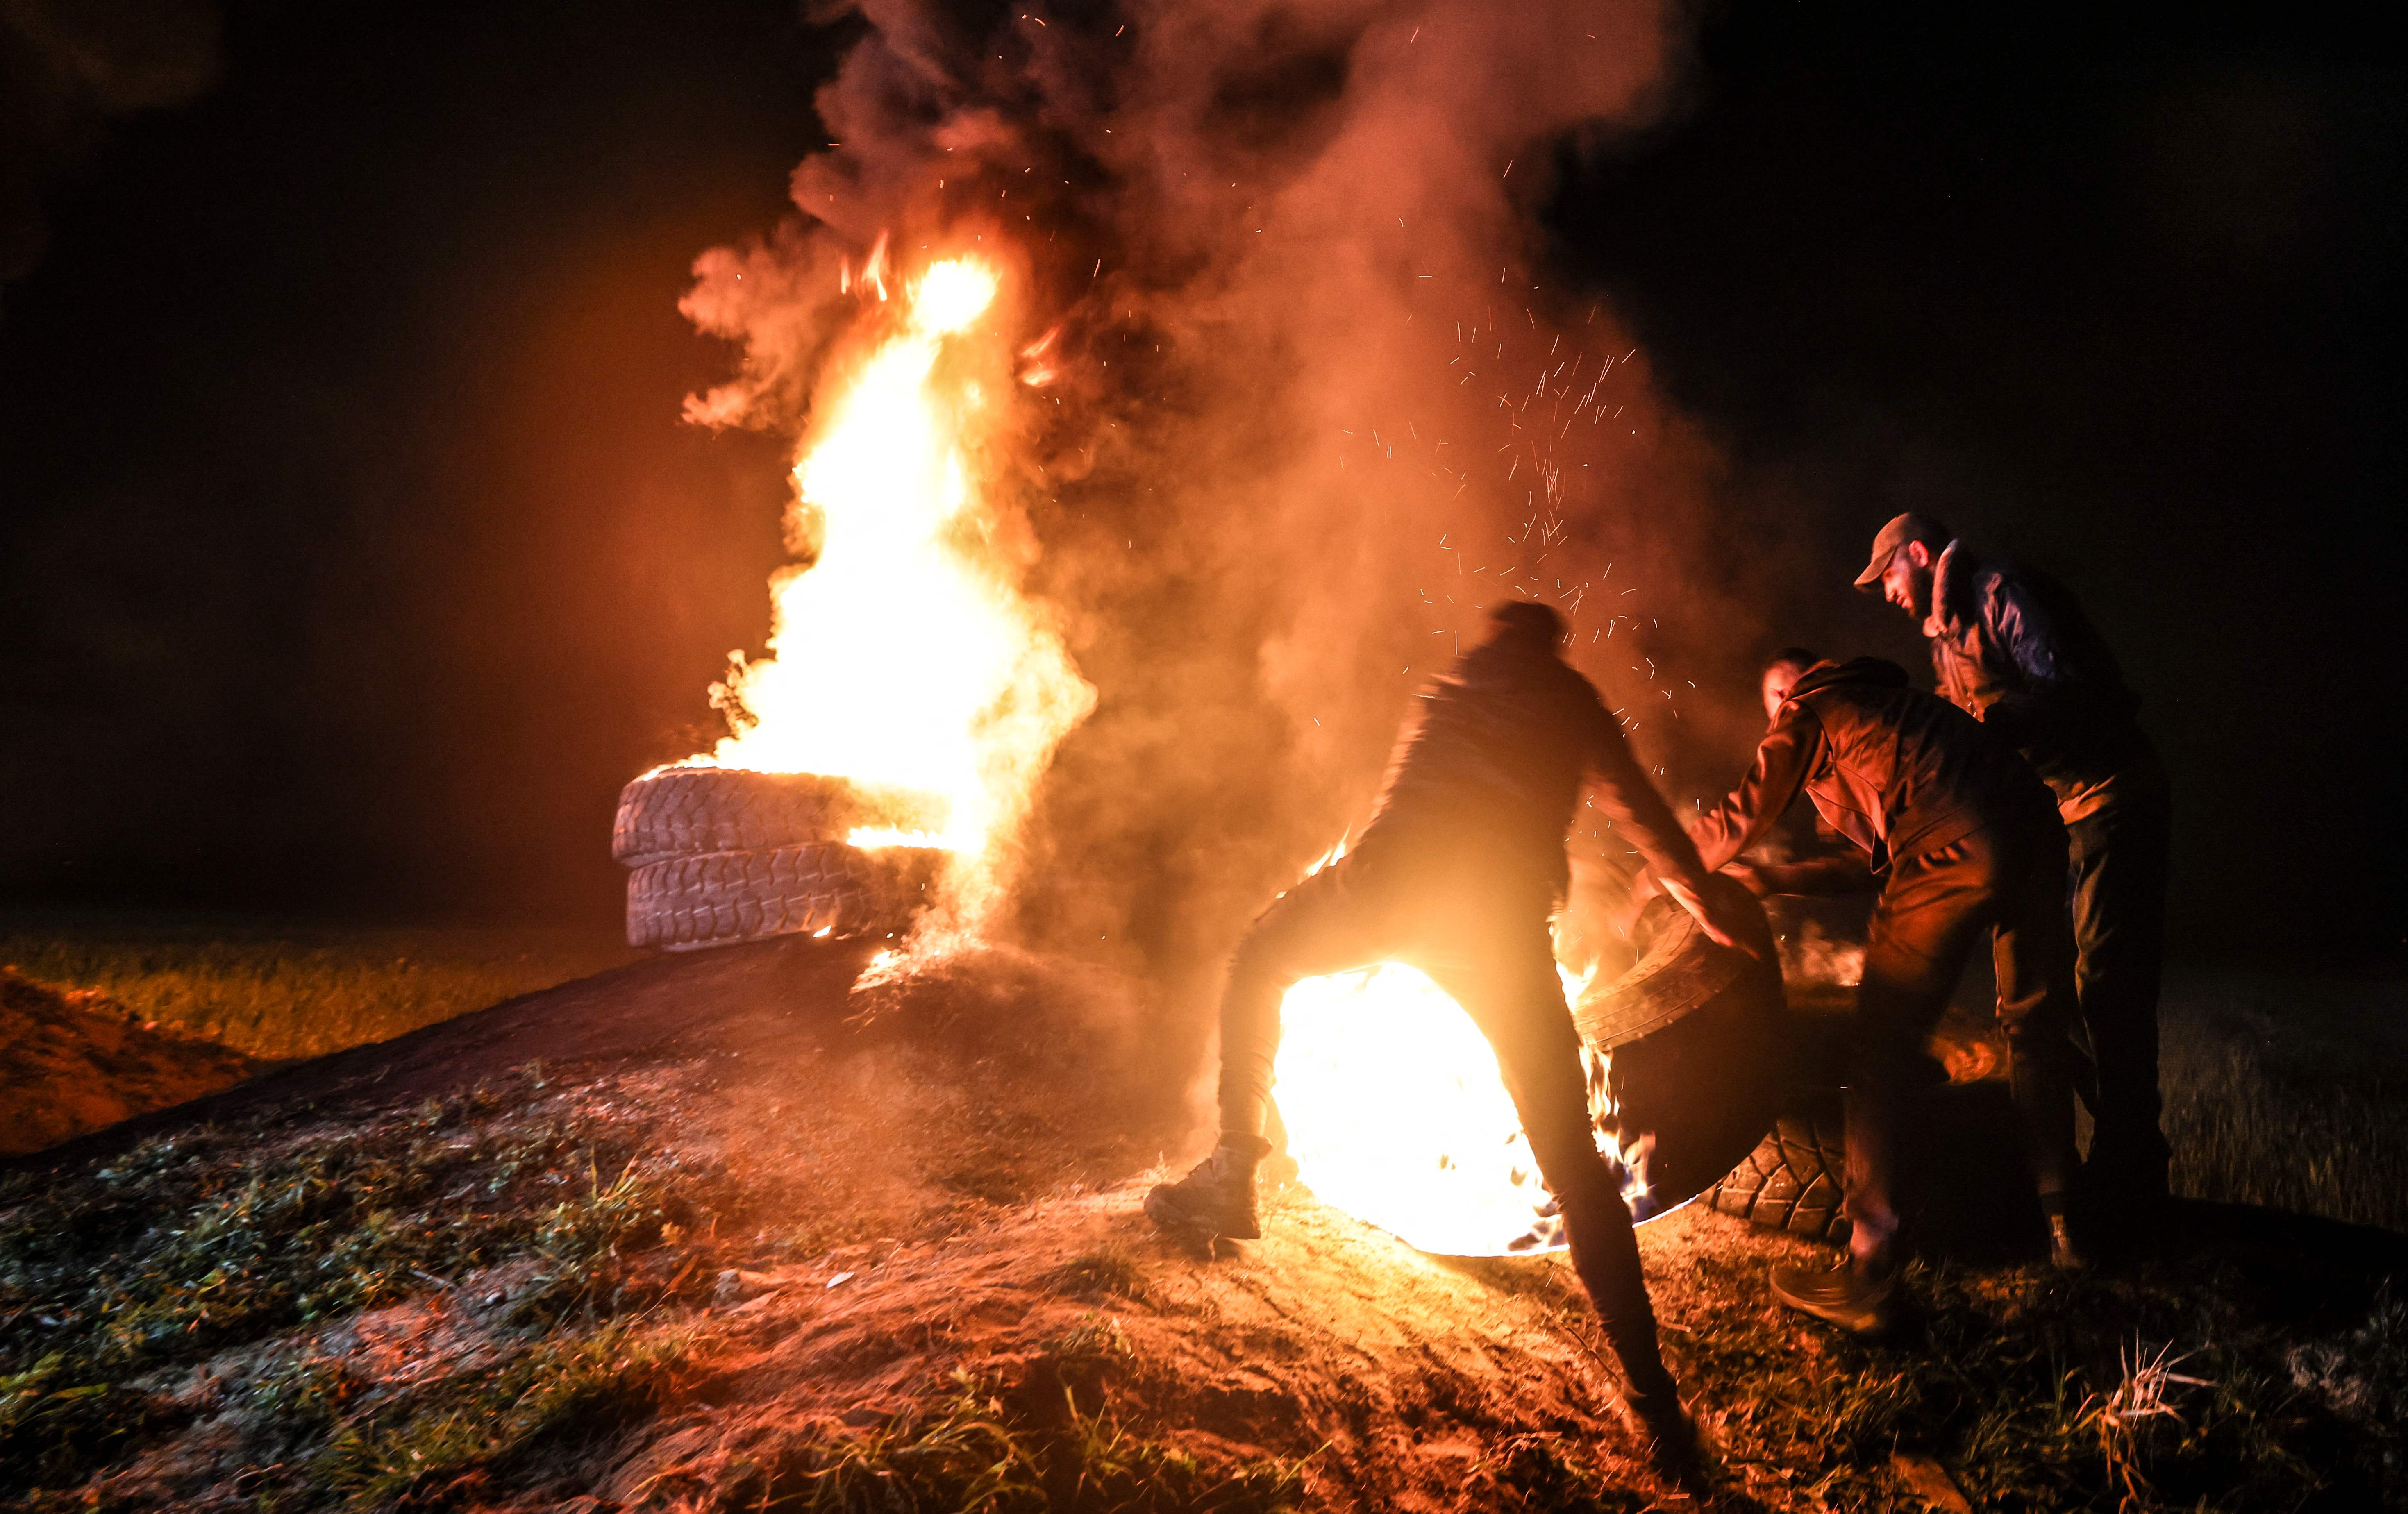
(354, 553)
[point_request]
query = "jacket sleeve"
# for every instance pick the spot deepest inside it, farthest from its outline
(1787, 753)
(1638, 812)
(2018, 645)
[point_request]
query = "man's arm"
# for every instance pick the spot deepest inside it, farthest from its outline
(1782, 759)
(1640, 815)
(2019, 640)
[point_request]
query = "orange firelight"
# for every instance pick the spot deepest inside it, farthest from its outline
(903, 653)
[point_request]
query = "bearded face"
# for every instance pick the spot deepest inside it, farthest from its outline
(1907, 581)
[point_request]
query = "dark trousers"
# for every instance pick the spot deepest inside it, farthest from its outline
(1483, 938)
(2120, 863)
(1932, 911)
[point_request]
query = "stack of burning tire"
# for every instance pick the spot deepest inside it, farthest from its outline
(720, 855)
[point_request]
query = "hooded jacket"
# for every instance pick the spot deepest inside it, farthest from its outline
(1490, 770)
(2012, 647)
(1897, 771)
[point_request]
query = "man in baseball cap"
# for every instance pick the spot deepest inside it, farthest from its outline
(2013, 648)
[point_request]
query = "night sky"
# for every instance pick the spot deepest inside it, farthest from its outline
(352, 553)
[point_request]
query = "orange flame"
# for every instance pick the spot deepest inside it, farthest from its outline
(1396, 1114)
(904, 654)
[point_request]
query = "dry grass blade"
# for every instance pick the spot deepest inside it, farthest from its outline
(2145, 1393)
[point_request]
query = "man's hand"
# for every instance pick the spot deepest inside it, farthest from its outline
(1715, 918)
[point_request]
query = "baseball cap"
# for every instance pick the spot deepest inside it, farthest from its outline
(1901, 530)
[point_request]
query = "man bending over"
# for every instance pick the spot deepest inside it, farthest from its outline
(1962, 841)
(1457, 874)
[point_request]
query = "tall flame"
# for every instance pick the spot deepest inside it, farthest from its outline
(903, 654)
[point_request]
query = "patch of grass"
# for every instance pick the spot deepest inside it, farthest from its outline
(51, 1427)
(2022, 1387)
(1107, 1269)
(1530, 1475)
(288, 991)
(1096, 1342)
(2292, 1093)
(972, 1453)
(218, 1239)
(480, 1425)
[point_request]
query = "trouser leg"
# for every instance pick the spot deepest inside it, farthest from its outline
(1923, 925)
(1517, 1000)
(1331, 921)
(2033, 954)
(2120, 867)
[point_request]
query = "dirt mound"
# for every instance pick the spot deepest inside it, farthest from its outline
(79, 1061)
(751, 1237)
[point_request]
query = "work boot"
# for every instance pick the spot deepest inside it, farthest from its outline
(1668, 1435)
(1217, 1197)
(1854, 1295)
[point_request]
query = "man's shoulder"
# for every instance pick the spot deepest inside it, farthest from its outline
(1884, 700)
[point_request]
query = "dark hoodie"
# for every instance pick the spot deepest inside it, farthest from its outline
(1489, 774)
(1897, 771)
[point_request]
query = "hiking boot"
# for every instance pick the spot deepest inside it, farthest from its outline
(1854, 1295)
(1668, 1435)
(2065, 1254)
(1217, 1198)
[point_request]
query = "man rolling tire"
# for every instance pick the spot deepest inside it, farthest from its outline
(1457, 874)
(1960, 841)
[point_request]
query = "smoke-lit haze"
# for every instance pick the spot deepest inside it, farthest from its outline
(1313, 405)
(353, 551)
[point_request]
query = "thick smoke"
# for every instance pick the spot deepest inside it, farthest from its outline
(68, 65)
(1315, 403)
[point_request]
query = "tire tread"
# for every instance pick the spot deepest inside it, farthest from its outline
(697, 811)
(1793, 1180)
(720, 898)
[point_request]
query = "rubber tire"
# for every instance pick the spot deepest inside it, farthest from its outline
(692, 811)
(720, 898)
(1793, 1179)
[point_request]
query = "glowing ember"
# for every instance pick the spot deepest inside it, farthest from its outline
(903, 653)
(1396, 1114)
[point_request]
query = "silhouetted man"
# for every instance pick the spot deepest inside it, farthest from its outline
(1457, 874)
(2013, 649)
(1960, 841)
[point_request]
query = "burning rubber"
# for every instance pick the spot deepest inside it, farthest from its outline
(856, 791)
(1394, 1108)
(721, 855)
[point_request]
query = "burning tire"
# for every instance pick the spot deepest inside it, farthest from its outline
(1793, 1180)
(690, 811)
(720, 898)
(1695, 1042)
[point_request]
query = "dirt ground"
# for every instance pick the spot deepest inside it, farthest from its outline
(783, 1243)
(78, 1061)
